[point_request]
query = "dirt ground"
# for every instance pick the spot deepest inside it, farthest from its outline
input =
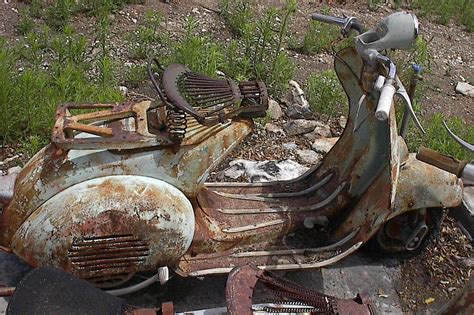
(441, 269)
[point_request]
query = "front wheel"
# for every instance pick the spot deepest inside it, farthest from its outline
(408, 234)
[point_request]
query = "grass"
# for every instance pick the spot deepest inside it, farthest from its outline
(258, 48)
(42, 71)
(317, 38)
(148, 38)
(437, 137)
(325, 94)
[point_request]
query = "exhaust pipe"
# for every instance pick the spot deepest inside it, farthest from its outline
(7, 185)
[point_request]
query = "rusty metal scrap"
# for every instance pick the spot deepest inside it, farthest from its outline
(129, 131)
(297, 299)
(209, 100)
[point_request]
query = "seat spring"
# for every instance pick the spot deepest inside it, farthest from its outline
(176, 122)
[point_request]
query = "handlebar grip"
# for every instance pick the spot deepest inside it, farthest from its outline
(328, 19)
(444, 162)
(385, 101)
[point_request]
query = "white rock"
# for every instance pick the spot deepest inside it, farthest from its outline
(307, 156)
(342, 121)
(263, 171)
(289, 146)
(299, 126)
(465, 89)
(274, 110)
(324, 145)
(123, 90)
(298, 94)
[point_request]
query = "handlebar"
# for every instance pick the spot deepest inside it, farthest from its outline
(346, 23)
(385, 101)
(444, 162)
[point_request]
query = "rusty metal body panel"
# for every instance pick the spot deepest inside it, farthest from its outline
(112, 224)
(50, 171)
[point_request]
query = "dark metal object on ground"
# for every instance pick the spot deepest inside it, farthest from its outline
(297, 299)
(52, 291)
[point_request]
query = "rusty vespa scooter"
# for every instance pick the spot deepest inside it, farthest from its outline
(122, 188)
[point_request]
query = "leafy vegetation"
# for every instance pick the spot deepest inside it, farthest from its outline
(258, 49)
(317, 38)
(52, 64)
(325, 94)
(437, 137)
(42, 71)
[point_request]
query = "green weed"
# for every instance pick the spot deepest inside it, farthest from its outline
(325, 94)
(31, 93)
(148, 37)
(444, 11)
(317, 38)
(437, 138)
(258, 50)
(136, 75)
(26, 23)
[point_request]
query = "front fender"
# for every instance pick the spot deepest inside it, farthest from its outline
(421, 185)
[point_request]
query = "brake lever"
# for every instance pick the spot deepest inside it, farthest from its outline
(401, 91)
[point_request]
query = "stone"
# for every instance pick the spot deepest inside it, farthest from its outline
(342, 121)
(307, 156)
(274, 110)
(324, 145)
(123, 90)
(299, 127)
(272, 128)
(295, 111)
(465, 89)
(321, 130)
(289, 146)
(298, 94)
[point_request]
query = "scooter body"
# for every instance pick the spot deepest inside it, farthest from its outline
(104, 214)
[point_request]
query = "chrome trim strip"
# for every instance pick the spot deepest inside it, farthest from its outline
(270, 197)
(253, 226)
(320, 264)
(298, 251)
(316, 206)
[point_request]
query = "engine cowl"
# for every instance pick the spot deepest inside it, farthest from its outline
(108, 228)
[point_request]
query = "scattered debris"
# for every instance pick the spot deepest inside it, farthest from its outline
(272, 128)
(429, 300)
